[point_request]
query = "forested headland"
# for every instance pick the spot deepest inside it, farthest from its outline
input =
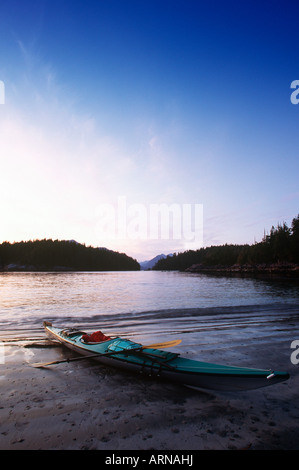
(278, 252)
(64, 255)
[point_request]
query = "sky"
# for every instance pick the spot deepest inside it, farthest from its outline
(112, 109)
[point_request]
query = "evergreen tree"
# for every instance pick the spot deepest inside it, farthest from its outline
(61, 255)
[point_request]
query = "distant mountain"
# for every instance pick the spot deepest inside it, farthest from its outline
(145, 265)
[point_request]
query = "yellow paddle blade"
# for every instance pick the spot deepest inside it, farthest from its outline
(167, 344)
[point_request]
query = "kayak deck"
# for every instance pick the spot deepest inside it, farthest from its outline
(126, 354)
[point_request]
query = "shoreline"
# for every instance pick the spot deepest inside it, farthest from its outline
(289, 270)
(284, 269)
(87, 406)
(57, 269)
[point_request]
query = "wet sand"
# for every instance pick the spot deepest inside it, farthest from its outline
(84, 405)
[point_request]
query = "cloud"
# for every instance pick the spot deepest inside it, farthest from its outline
(57, 164)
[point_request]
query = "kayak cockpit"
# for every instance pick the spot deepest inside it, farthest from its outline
(70, 332)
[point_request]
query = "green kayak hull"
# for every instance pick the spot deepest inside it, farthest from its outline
(125, 354)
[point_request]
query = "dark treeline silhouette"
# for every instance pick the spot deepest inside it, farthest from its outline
(280, 246)
(45, 255)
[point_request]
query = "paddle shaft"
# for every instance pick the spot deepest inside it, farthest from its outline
(90, 356)
(73, 359)
(138, 352)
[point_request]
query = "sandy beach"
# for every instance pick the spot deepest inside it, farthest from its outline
(84, 405)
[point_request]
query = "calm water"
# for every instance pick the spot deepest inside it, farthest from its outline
(151, 306)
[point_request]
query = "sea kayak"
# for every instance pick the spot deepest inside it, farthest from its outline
(126, 354)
